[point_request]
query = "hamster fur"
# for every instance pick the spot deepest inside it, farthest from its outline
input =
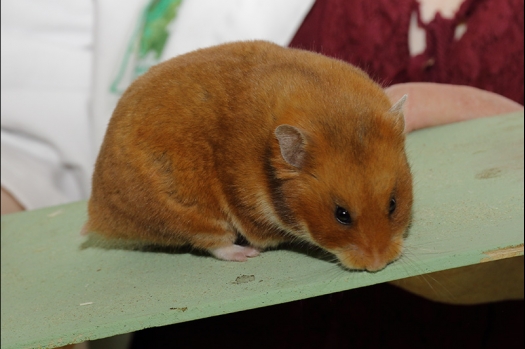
(250, 138)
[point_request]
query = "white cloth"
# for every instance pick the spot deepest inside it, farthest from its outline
(45, 87)
(59, 59)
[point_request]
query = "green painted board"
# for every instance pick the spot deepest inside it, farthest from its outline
(58, 288)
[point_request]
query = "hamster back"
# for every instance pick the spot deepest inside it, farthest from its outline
(252, 139)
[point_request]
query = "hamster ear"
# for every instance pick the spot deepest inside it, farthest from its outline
(397, 111)
(292, 142)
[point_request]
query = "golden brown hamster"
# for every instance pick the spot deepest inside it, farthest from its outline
(253, 139)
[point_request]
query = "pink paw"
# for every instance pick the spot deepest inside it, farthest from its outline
(235, 253)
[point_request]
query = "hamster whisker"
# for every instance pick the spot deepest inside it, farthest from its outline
(427, 277)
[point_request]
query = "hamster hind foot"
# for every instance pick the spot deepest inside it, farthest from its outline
(234, 253)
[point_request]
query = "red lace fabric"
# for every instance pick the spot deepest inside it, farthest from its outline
(374, 36)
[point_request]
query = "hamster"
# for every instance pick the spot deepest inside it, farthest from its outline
(249, 138)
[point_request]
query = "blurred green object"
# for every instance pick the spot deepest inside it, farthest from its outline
(158, 15)
(147, 42)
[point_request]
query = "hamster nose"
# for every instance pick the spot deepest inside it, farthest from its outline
(376, 263)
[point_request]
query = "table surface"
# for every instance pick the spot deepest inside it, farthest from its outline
(59, 287)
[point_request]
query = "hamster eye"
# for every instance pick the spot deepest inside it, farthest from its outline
(392, 206)
(342, 215)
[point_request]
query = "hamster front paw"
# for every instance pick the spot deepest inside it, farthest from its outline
(234, 253)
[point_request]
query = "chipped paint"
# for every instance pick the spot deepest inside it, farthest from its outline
(501, 253)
